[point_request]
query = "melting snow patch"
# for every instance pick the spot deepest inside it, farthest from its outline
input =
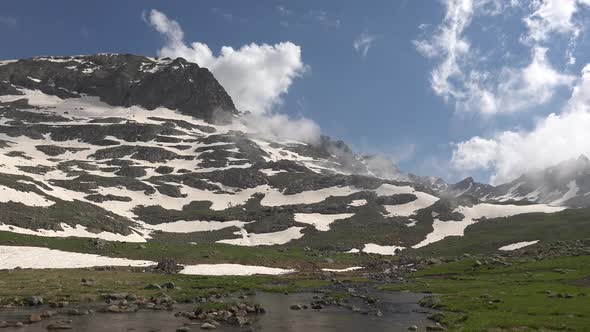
(518, 245)
(27, 198)
(78, 231)
(43, 258)
(276, 198)
(232, 269)
(571, 193)
(423, 200)
(5, 62)
(35, 97)
(271, 172)
(352, 268)
(320, 221)
(372, 248)
(265, 239)
(358, 202)
(183, 226)
(442, 229)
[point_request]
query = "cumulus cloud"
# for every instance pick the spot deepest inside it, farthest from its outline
(553, 16)
(461, 75)
(283, 127)
(449, 45)
(363, 43)
(256, 76)
(558, 137)
(514, 89)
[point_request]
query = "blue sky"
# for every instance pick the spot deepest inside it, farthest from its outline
(443, 87)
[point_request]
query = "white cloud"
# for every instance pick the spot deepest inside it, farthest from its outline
(363, 43)
(514, 89)
(553, 16)
(462, 76)
(255, 76)
(323, 18)
(556, 138)
(281, 126)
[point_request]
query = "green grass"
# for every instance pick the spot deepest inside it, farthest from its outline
(185, 253)
(58, 285)
(489, 235)
(506, 297)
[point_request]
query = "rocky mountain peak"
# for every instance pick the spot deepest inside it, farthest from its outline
(125, 80)
(465, 182)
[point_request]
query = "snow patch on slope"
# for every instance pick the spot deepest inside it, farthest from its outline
(443, 229)
(348, 269)
(518, 245)
(78, 231)
(423, 200)
(183, 226)
(372, 248)
(320, 221)
(572, 192)
(265, 239)
(27, 198)
(43, 258)
(276, 198)
(232, 269)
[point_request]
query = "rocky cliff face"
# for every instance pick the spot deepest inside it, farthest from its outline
(124, 80)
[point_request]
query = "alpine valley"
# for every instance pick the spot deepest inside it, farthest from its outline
(146, 164)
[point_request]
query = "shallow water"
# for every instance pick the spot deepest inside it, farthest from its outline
(399, 311)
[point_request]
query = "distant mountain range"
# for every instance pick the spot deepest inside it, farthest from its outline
(565, 184)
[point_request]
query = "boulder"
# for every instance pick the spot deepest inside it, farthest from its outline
(35, 300)
(208, 326)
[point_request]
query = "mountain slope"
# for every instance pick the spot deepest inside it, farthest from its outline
(129, 148)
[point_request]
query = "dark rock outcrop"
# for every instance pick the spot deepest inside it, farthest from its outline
(124, 80)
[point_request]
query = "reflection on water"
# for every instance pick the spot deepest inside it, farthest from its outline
(399, 311)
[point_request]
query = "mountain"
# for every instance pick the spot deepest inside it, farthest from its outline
(564, 184)
(124, 80)
(136, 149)
(469, 186)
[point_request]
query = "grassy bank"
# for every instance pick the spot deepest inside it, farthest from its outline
(185, 253)
(66, 285)
(489, 235)
(536, 295)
